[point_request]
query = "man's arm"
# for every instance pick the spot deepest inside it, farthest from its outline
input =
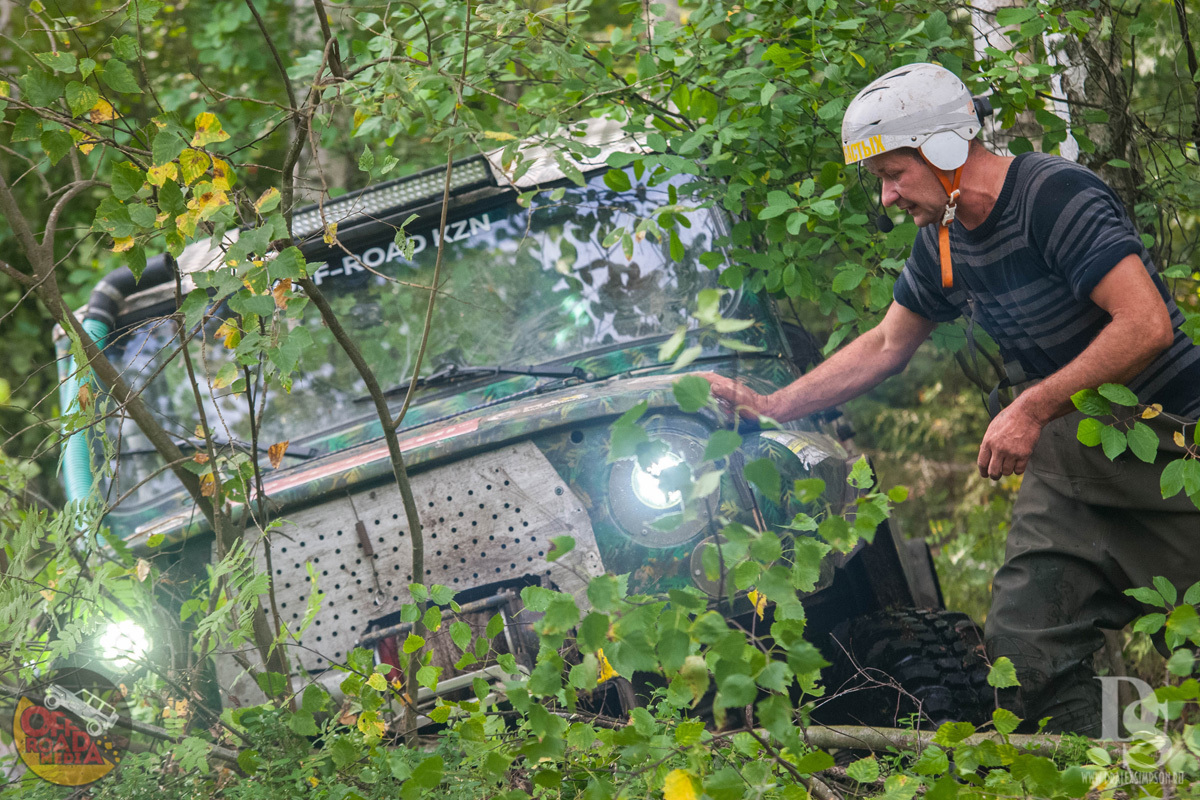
(858, 367)
(1139, 331)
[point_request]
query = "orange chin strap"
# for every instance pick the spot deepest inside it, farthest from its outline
(950, 184)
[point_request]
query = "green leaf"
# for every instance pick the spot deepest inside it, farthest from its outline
(272, 683)
(86, 67)
(561, 546)
(80, 98)
(315, 698)
(167, 146)
(366, 162)
(27, 128)
(625, 441)
(1091, 403)
(59, 62)
(1143, 441)
(1113, 441)
(720, 444)
(861, 475)
(1150, 624)
(1005, 721)
(1172, 478)
(1192, 595)
(1089, 431)
(1118, 394)
(951, 733)
(118, 77)
(1002, 674)
(343, 751)
(617, 180)
(1145, 594)
(763, 473)
(691, 393)
(413, 643)
(127, 180)
(1166, 589)
(303, 724)
(41, 89)
(865, 770)
(736, 690)
(1181, 663)
(460, 634)
(56, 144)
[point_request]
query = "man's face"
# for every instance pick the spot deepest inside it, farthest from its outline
(909, 184)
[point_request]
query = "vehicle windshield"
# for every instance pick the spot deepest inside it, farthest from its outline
(518, 286)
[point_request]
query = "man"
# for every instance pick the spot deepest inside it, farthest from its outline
(1039, 252)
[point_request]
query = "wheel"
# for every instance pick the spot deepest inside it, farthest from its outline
(51, 701)
(94, 728)
(892, 665)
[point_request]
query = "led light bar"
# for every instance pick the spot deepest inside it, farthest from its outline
(382, 199)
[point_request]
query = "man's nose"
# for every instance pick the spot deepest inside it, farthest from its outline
(888, 194)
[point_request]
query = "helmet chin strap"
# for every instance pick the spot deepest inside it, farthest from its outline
(950, 184)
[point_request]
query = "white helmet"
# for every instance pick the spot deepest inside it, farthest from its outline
(921, 105)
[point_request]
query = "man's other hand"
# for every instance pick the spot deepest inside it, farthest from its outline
(1009, 442)
(733, 395)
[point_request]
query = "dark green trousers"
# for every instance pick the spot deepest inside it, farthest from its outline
(1084, 529)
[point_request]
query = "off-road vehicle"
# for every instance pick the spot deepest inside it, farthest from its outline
(547, 327)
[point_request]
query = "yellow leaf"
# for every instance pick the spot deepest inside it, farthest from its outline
(371, 725)
(275, 454)
(85, 396)
(186, 223)
(1179, 440)
(192, 164)
(200, 458)
(87, 146)
(269, 197)
(313, 781)
(1151, 411)
(122, 243)
(377, 681)
(282, 293)
(142, 569)
(223, 177)
(330, 233)
(858, 58)
(160, 175)
(606, 670)
(47, 595)
(759, 600)
(199, 431)
(102, 111)
(229, 333)
(206, 204)
(208, 485)
(208, 130)
(679, 786)
(500, 136)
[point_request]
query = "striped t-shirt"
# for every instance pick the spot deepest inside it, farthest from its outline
(1028, 270)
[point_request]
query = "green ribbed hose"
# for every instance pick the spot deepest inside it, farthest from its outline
(77, 452)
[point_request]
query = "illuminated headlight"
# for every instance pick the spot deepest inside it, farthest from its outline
(647, 483)
(640, 502)
(123, 643)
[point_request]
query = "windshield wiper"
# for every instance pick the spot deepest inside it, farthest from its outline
(454, 372)
(303, 453)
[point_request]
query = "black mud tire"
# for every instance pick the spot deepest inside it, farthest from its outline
(890, 666)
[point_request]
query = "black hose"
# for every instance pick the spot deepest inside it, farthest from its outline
(106, 299)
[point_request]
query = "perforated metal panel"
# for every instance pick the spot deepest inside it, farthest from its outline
(486, 519)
